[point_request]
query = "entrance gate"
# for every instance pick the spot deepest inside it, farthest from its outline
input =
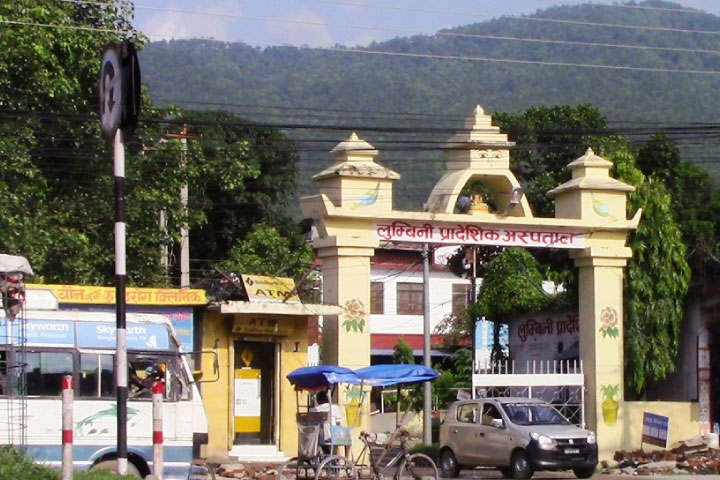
(353, 213)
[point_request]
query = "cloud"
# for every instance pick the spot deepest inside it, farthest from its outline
(301, 28)
(174, 20)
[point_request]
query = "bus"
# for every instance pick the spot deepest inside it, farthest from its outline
(51, 344)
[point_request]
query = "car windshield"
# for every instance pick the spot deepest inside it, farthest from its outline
(534, 414)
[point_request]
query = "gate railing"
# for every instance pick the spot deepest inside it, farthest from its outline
(559, 382)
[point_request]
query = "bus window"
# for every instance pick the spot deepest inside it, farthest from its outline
(96, 376)
(44, 371)
(146, 369)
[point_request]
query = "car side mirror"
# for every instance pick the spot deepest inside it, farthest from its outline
(497, 423)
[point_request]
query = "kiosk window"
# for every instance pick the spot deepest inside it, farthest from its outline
(96, 376)
(45, 370)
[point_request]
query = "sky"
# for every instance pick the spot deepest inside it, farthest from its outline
(326, 23)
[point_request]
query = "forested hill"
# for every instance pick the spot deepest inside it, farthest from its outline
(456, 69)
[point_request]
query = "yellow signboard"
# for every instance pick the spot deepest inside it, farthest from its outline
(273, 289)
(262, 324)
(133, 295)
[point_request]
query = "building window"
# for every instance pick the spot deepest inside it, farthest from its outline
(377, 297)
(460, 293)
(409, 298)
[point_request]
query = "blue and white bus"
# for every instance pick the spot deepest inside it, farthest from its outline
(82, 344)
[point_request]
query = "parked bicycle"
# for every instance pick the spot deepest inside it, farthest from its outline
(387, 459)
(389, 455)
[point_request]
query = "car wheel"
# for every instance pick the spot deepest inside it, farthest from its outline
(506, 472)
(584, 472)
(449, 467)
(520, 467)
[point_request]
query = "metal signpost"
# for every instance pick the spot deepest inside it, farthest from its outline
(119, 108)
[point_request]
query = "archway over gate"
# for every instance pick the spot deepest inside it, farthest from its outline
(353, 213)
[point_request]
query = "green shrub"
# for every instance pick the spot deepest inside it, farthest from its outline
(14, 465)
(431, 451)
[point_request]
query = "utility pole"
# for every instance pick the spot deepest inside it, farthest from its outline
(427, 388)
(471, 301)
(183, 136)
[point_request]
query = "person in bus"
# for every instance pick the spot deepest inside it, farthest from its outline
(142, 386)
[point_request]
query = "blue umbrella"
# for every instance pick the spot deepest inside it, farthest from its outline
(384, 375)
(321, 376)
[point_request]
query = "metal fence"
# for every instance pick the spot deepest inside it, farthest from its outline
(559, 382)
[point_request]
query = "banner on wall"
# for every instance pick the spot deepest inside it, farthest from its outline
(544, 337)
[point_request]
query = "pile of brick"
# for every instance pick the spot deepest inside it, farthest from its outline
(689, 457)
(246, 471)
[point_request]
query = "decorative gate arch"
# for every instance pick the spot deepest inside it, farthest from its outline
(353, 213)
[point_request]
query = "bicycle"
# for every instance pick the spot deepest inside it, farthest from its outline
(402, 464)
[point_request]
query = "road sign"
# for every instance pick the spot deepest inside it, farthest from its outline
(131, 89)
(110, 91)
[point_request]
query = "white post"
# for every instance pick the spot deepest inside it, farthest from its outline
(157, 406)
(67, 427)
(427, 388)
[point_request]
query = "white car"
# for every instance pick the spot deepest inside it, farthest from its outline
(516, 435)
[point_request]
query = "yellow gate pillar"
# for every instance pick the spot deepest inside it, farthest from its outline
(593, 195)
(354, 191)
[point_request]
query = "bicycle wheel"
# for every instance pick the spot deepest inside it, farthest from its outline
(296, 468)
(418, 466)
(336, 467)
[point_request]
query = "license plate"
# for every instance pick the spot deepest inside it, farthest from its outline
(572, 451)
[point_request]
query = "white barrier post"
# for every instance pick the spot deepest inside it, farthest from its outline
(67, 427)
(157, 399)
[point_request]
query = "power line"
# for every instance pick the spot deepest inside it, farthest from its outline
(584, 44)
(609, 25)
(438, 56)
(68, 27)
(513, 61)
(475, 59)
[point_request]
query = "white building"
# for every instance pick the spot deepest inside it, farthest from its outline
(396, 308)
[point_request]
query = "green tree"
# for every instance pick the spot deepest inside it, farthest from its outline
(658, 274)
(658, 277)
(511, 284)
(695, 201)
(402, 353)
(266, 252)
(55, 171)
(49, 58)
(458, 376)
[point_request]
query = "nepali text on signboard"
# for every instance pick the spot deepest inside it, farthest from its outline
(475, 235)
(83, 294)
